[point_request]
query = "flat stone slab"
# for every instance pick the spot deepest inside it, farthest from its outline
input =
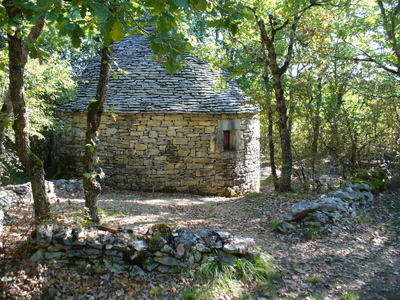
(301, 209)
(239, 245)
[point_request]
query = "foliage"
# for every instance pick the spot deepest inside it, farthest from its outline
(221, 277)
(375, 178)
(313, 232)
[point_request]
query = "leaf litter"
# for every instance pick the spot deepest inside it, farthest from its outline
(362, 259)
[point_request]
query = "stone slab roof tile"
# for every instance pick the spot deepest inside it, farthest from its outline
(148, 88)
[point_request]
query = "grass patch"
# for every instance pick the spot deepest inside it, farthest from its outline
(363, 217)
(274, 225)
(313, 232)
(395, 207)
(312, 279)
(217, 278)
(351, 296)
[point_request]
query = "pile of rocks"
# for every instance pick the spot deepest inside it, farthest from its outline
(329, 209)
(15, 195)
(12, 196)
(65, 185)
(118, 250)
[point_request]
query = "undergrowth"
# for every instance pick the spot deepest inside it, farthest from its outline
(239, 281)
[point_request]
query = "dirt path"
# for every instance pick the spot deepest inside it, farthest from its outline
(361, 259)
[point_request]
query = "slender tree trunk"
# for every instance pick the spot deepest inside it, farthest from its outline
(4, 119)
(316, 129)
(95, 109)
(18, 55)
(287, 162)
(277, 73)
(271, 144)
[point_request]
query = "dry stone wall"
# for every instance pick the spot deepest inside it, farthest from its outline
(119, 250)
(169, 152)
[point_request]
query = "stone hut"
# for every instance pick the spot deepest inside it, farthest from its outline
(162, 132)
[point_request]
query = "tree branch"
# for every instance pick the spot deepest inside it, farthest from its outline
(370, 59)
(389, 26)
(33, 35)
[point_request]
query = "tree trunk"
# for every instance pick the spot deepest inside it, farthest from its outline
(95, 109)
(4, 119)
(316, 129)
(277, 72)
(18, 55)
(286, 174)
(271, 144)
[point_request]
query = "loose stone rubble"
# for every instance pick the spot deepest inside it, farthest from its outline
(329, 209)
(11, 196)
(15, 195)
(119, 250)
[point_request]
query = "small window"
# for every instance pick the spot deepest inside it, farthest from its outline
(227, 139)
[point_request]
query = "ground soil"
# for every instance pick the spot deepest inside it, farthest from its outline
(359, 260)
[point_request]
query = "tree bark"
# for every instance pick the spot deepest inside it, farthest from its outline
(4, 118)
(287, 161)
(277, 72)
(271, 144)
(316, 129)
(18, 54)
(95, 109)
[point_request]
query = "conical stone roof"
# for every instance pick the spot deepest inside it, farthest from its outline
(148, 88)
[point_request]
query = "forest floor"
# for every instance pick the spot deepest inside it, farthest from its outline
(359, 261)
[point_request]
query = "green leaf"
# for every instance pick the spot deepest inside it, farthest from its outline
(233, 28)
(100, 10)
(51, 15)
(70, 26)
(75, 39)
(86, 175)
(215, 23)
(188, 46)
(181, 3)
(117, 31)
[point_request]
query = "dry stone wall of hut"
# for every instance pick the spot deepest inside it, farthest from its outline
(169, 152)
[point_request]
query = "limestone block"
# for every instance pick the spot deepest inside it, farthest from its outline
(184, 152)
(111, 131)
(194, 166)
(205, 123)
(153, 151)
(153, 134)
(205, 172)
(202, 160)
(179, 141)
(147, 140)
(148, 162)
(173, 183)
(200, 154)
(153, 123)
(181, 123)
(171, 133)
(209, 129)
(189, 182)
(140, 147)
(173, 117)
